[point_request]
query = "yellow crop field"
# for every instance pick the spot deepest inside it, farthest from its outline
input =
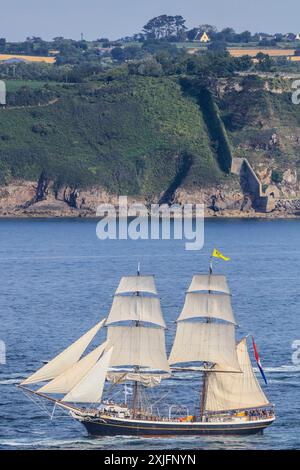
(28, 58)
(239, 52)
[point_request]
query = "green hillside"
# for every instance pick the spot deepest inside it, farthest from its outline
(130, 135)
(135, 134)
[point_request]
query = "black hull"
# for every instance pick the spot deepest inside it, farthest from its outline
(113, 427)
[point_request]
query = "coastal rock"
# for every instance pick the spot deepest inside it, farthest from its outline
(221, 201)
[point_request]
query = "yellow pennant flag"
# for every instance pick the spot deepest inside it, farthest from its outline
(218, 254)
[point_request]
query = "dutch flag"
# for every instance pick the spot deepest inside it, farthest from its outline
(258, 361)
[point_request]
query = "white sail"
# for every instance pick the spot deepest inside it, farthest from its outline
(137, 284)
(148, 380)
(227, 391)
(138, 346)
(137, 308)
(64, 382)
(198, 305)
(90, 388)
(65, 359)
(207, 342)
(209, 282)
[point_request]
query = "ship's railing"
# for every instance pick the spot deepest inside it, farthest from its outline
(232, 415)
(252, 414)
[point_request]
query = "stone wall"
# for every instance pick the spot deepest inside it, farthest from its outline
(252, 186)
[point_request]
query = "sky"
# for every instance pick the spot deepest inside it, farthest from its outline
(118, 18)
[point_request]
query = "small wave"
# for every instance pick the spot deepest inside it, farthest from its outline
(281, 369)
(9, 382)
(53, 443)
(291, 383)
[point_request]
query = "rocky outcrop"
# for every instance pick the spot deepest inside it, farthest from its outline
(222, 201)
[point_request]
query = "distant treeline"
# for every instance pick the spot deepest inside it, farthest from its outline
(163, 28)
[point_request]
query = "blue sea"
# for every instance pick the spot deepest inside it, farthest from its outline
(57, 280)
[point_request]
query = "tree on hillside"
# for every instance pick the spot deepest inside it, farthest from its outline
(217, 46)
(265, 62)
(165, 26)
(122, 54)
(227, 35)
(2, 43)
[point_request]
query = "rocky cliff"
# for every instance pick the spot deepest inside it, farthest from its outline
(19, 199)
(155, 139)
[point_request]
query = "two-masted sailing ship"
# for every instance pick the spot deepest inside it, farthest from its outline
(230, 400)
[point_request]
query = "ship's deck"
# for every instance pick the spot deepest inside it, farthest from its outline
(127, 414)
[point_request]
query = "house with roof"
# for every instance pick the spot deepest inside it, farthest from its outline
(204, 38)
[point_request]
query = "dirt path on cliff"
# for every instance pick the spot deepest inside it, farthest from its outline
(49, 103)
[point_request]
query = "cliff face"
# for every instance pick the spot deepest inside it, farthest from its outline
(264, 127)
(19, 200)
(155, 140)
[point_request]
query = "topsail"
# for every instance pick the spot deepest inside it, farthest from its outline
(199, 305)
(136, 308)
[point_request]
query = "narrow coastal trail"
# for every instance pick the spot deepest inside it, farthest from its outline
(45, 105)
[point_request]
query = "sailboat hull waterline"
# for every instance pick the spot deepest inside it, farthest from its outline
(107, 426)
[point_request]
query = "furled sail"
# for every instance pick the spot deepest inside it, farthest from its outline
(198, 305)
(136, 308)
(227, 391)
(148, 380)
(65, 359)
(138, 346)
(209, 282)
(64, 382)
(137, 284)
(207, 342)
(90, 388)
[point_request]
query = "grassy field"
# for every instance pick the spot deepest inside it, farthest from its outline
(14, 85)
(28, 58)
(252, 52)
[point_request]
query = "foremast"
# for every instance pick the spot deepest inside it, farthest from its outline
(136, 330)
(131, 343)
(137, 368)
(203, 391)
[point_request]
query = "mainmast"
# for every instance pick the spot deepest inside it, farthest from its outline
(203, 392)
(206, 333)
(200, 335)
(136, 369)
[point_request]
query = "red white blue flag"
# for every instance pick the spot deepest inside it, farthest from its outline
(258, 361)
